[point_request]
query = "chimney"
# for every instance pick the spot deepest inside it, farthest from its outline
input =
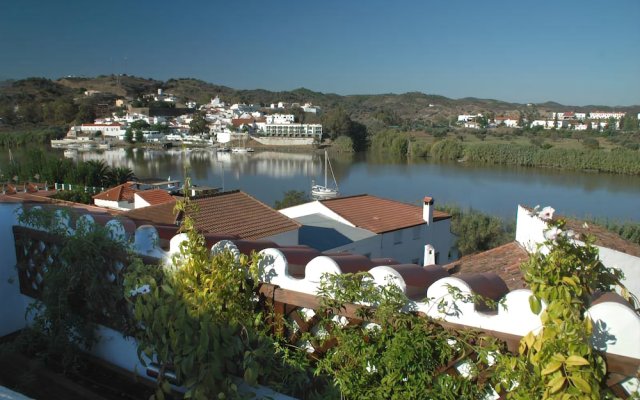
(429, 255)
(427, 210)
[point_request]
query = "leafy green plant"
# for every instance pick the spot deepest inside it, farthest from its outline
(559, 362)
(80, 288)
(394, 354)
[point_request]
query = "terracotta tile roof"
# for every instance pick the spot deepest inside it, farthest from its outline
(603, 236)
(239, 214)
(155, 196)
(379, 215)
(156, 214)
(237, 122)
(233, 213)
(119, 193)
(504, 261)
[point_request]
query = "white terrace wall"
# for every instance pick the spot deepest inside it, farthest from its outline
(618, 327)
(530, 234)
(14, 304)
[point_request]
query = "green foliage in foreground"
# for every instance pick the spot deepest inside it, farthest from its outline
(559, 362)
(76, 291)
(201, 318)
(477, 231)
(399, 355)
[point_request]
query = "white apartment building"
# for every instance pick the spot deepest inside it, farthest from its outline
(280, 119)
(606, 115)
(290, 130)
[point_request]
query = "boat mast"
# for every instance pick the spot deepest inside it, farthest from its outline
(325, 169)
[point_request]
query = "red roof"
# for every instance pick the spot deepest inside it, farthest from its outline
(122, 192)
(236, 122)
(155, 196)
(504, 261)
(379, 215)
(233, 213)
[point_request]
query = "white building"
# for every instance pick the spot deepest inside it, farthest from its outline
(290, 130)
(606, 115)
(310, 108)
(543, 123)
(377, 228)
(510, 122)
(280, 119)
(108, 130)
(467, 117)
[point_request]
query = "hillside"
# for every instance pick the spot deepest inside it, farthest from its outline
(414, 107)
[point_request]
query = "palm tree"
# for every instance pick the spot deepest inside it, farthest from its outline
(120, 175)
(97, 173)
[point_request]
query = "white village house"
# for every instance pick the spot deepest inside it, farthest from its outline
(377, 227)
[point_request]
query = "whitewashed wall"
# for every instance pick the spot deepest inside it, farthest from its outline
(13, 304)
(530, 234)
(618, 327)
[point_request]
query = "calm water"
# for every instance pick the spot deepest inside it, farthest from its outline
(494, 189)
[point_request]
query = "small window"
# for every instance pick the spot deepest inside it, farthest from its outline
(415, 261)
(416, 232)
(397, 237)
(437, 259)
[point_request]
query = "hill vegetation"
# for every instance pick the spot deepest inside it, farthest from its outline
(413, 110)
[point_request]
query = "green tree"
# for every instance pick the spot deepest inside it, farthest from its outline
(291, 198)
(139, 136)
(85, 114)
(120, 175)
(198, 124)
(96, 173)
(140, 124)
(630, 123)
(31, 112)
(477, 231)
(8, 115)
(65, 110)
(336, 123)
(128, 135)
(298, 114)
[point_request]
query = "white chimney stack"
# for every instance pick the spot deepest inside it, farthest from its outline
(429, 255)
(427, 210)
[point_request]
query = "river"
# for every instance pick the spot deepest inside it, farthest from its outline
(497, 190)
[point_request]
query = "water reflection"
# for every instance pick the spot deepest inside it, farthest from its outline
(495, 189)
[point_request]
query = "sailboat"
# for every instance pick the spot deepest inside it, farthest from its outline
(244, 148)
(325, 192)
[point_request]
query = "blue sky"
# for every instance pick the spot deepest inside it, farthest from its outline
(575, 52)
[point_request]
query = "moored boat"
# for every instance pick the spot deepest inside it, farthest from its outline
(319, 192)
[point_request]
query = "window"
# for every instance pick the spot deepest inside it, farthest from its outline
(397, 237)
(415, 261)
(416, 232)
(437, 257)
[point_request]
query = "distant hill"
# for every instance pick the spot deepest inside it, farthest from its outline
(412, 106)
